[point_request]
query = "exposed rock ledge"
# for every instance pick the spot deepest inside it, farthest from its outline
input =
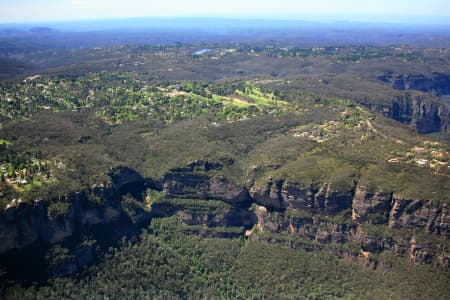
(324, 214)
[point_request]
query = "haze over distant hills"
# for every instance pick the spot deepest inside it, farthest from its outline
(310, 31)
(224, 21)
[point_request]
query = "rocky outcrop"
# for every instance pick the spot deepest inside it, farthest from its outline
(430, 116)
(30, 231)
(371, 207)
(327, 233)
(222, 189)
(372, 213)
(20, 225)
(121, 208)
(304, 226)
(423, 112)
(176, 184)
(386, 208)
(225, 217)
(25, 223)
(280, 194)
(298, 195)
(437, 82)
(368, 242)
(56, 220)
(196, 181)
(269, 195)
(420, 252)
(332, 200)
(418, 214)
(206, 202)
(126, 180)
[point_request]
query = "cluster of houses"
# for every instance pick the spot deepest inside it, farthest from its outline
(429, 154)
(35, 171)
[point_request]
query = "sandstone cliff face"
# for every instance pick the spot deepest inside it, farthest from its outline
(438, 82)
(25, 223)
(298, 195)
(373, 206)
(332, 200)
(429, 116)
(306, 226)
(281, 194)
(269, 195)
(56, 221)
(411, 214)
(20, 225)
(324, 214)
(390, 209)
(195, 181)
(328, 233)
(371, 211)
(228, 217)
(425, 113)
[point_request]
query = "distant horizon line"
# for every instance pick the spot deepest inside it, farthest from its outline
(318, 18)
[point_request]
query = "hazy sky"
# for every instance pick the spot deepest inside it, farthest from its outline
(58, 10)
